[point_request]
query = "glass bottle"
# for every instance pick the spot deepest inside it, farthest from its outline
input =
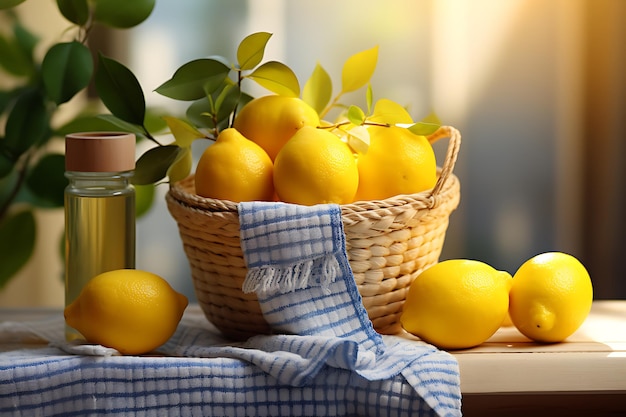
(99, 208)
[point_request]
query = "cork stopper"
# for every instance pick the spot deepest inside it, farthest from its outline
(100, 152)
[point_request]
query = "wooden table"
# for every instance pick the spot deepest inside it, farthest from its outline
(509, 375)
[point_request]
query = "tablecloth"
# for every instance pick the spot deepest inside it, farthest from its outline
(325, 358)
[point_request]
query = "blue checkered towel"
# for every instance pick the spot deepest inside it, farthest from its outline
(325, 358)
(298, 266)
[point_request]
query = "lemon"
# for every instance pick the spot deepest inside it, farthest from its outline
(236, 169)
(551, 297)
(396, 162)
(315, 167)
(457, 304)
(130, 310)
(270, 121)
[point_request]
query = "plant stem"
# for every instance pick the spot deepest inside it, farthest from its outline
(334, 126)
(331, 105)
(149, 136)
(234, 114)
(21, 177)
(347, 122)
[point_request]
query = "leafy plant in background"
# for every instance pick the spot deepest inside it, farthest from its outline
(31, 175)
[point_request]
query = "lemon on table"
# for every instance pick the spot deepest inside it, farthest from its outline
(315, 167)
(457, 304)
(236, 169)
(130, 310)
(396, 162)
(270, 121)
(551, 297)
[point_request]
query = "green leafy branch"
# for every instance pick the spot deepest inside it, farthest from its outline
(356, 73)
(214, 88)
(211, 85)
(32, 176)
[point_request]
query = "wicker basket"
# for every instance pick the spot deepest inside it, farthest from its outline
(388, 242)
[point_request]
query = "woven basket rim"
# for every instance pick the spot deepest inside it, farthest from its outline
(427, 199)
(387, 243)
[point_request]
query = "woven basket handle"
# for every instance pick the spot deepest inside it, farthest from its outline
(451, 154)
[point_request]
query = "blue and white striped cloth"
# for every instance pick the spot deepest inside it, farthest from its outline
(324, 360)
(298, 266)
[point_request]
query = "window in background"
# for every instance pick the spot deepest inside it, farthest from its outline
(604, 188)
(507, 74)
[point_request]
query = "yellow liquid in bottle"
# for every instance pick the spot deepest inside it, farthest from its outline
(99, 237)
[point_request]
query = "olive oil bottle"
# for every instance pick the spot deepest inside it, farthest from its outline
(99, 208)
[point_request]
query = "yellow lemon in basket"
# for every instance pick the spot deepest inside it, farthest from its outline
(314, 167)
(270, 121)
(551, 297)
(396, 162)
(457, 304)
(236, 169)
(130, 310)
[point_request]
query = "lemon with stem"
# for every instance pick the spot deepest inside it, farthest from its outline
(236, 169)
(315, 167)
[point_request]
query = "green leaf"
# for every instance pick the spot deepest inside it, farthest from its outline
(390, 112)
(152, 166)
(193, 80)
(181, 167)
(251, 50)
(278, 78)
(76, 11)
(184, 133)
(144, 198)
(200, 113)
(6, 165)
(5, 99)
(221, 97)
(424, 128)
(318, 89)
(66, 70)
(427, 126)
(120, 91)
(154, 122)
(355, 115)
(7, 4)
(14, 59)
(122, 13)
(47, 180)
(120, 124)
(358, 69)
(226, 102)
(26, 40)
(87, 124)
(369, 98)
(17, 243)
(27, 124)
(7, 51)
(431, 118)
(7, 183)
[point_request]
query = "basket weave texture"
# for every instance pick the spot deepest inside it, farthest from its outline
(388, 243)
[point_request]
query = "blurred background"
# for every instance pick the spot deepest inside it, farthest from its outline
(537, 89)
